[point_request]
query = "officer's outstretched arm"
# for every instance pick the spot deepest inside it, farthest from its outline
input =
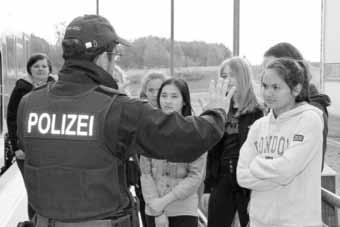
(177, 138)
(182, 139)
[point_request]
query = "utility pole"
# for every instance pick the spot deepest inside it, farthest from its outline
(236, 27)
(172, 40)
(97, 7)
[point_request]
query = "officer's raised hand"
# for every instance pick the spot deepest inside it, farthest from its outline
(217, 97)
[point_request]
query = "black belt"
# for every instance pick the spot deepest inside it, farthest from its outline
(124, 221)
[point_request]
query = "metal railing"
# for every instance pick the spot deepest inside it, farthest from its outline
(203, 221)
(330, 205)
(330, 198)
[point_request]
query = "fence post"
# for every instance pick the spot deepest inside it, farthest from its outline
(329, 212)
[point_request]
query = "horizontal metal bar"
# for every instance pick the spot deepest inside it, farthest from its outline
(330, 197)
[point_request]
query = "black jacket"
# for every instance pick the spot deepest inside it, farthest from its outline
(21, 88)
(321, 101)
(213, 172)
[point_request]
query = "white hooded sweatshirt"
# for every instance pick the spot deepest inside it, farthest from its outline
(281, 163)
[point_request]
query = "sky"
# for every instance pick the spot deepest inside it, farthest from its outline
(263, 22)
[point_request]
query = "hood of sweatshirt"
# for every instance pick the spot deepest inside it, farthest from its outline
(321, 101)
(302, 107)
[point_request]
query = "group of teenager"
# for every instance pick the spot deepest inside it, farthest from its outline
(267, 166)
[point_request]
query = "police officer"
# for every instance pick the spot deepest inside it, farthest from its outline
(78, 134)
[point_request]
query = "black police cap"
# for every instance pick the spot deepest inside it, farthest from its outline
(93, 32)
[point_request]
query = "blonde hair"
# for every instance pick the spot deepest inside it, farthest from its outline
(243, 74)
(147, 78)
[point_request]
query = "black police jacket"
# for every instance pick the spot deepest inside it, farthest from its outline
(68, 165)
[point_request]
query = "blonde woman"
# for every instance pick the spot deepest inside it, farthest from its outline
(150, 86)
(223, 196)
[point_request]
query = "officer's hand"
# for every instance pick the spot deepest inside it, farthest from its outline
(19, 154)
(217, 97)
(157, 205)
(162, 221)
(205, 201)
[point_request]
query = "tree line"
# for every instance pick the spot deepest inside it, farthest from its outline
(154, 52)
(147, 52)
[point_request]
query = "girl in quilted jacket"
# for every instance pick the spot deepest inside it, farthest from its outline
(170, 189)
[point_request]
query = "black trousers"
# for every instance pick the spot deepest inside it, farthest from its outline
(31, 211)
(225, 199)
(176, 221)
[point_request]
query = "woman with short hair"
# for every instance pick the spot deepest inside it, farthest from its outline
(39, 69)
